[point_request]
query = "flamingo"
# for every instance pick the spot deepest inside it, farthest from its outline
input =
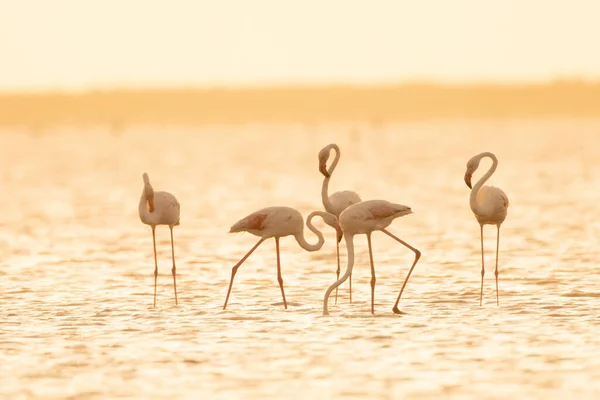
(277, 222)
(159, 208)
(366, 217)
(338, 201)
(490, 206)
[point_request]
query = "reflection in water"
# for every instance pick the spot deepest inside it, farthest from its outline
(76, 265)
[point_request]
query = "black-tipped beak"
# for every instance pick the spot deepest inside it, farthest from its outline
(323, 169)
(150, 205)
(340, 233)
(468, 180)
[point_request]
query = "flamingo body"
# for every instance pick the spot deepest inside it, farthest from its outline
(371, 215)
(166, 210)
(492, 205)
(270, 222)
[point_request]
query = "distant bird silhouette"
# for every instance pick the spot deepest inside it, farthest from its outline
(366, 217)
(159, 208)
(277, 222)
(490, 206)
(338, 201)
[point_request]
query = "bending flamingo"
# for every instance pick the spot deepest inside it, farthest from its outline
(159, 208)
(490, 206)
(338, 201)
(277, 222)
(366, 217)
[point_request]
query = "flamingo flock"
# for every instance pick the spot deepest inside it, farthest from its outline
(345, 212)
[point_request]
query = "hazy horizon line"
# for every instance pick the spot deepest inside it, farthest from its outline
(196, 105)
(514, 83)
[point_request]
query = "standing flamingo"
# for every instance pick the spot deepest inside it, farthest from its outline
(338, 201)
(490, 206)
(159, 208)
(366, 217)
(278, 222)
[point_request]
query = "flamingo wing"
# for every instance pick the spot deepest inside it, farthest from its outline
(505, 198)
(166, 208)
(255, 222)
(386, 210)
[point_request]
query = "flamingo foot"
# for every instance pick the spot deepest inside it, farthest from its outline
(398, 311)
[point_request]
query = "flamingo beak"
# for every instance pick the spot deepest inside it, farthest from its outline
(150, 204)
(340, 233)
(149, 197)
(323, 168)
(468, 179)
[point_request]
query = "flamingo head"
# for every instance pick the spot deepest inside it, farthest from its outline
(148, 193)
(340, 233)
(323, 157)
(472, 166)
(468, 176)
(332, 221)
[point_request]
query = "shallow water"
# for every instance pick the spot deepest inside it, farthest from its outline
(76, 265)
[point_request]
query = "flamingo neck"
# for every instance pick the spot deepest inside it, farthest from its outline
(325, 188)
(473, 198)
(300, 235)
(350, 250)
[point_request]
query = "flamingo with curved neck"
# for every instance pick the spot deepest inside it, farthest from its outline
(338, 201)
(489, 205)
(365, 218)
(277, 222)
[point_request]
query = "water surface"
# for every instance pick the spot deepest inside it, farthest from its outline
(76, 265)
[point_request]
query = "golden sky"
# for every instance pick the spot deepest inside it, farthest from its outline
(77, 44)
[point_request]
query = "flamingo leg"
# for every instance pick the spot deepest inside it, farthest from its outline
(235, 268)
(337, 272)
(174, 269)
(155, 262)
(482, 268)
(496, 273)
(279, 278)
(417, 256)
(350, 283)
(373, 279)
